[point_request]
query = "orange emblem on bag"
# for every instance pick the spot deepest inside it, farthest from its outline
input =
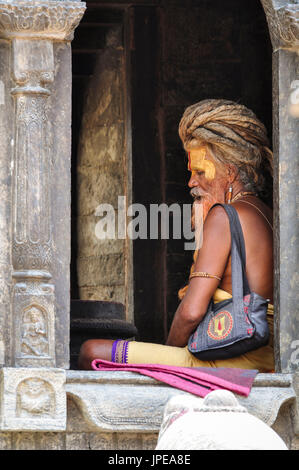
(220, 326)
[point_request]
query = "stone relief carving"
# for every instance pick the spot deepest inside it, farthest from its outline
(31, 256)
(34, 287)
(34, 334)
(34, 78)
(32, 399)
(31, 109)
(35, 397)
(289, 26)
(31, 183)
(34, 324)
(55, 20)
(283, 22)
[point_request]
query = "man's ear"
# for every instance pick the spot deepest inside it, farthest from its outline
(231, 172)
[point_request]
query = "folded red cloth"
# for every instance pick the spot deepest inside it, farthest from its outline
(197, 380)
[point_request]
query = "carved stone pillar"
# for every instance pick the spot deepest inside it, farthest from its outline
(32, 247)
(283, 21)
(35, 46)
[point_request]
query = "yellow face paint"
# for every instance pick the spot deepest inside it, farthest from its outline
(197, 162)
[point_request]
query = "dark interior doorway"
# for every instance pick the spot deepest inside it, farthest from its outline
(177, 53)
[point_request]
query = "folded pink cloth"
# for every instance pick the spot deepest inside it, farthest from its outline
(197, 380)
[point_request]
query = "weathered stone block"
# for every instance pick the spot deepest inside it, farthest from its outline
(50, 440)
(98, 187)
(94, 270)
(77, 441)
(102, 441)
(109, 293)
(88, 242)
(23, 441)
(149, 441)
(106, 105)
(130, 441)
(101, 145)
(33, 399)
(5, 441)
(295, 444)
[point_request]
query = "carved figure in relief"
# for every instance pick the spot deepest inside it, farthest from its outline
(34, 333)
(35, 397)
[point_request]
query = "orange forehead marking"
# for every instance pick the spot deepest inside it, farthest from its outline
(195, 157)
(197, 162)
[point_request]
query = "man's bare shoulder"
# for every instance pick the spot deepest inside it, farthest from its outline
(216, 219)
(216, 230)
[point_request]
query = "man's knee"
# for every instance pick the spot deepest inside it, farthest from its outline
(87, 354)
(94, 349)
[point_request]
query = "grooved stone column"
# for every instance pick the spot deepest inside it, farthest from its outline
(283, 20)
(35, 131)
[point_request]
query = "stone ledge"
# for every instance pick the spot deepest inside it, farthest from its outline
(34, 399)
(129, 402)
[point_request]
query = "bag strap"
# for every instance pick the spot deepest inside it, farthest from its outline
(240, 285)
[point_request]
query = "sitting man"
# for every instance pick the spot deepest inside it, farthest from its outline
(230, 161)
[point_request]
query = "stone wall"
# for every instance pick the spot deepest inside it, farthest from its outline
(102, 265)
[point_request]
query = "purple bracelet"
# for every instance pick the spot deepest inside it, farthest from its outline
(119, 353)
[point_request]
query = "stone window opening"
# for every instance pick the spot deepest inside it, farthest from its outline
(132, 78)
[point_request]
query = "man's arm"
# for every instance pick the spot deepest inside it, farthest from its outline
(212, 258)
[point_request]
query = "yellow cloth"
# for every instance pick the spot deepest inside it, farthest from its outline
(149, 353)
